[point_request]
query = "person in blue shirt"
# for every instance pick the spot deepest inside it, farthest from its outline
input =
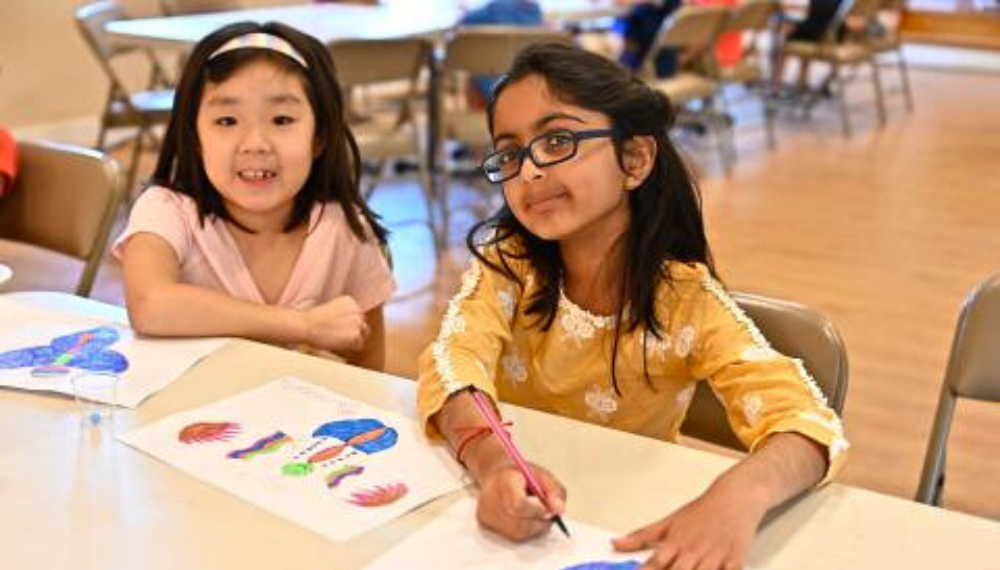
(499, 13)
(638, 30)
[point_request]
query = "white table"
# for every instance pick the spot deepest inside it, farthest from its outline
(329, 22)
(69, 501)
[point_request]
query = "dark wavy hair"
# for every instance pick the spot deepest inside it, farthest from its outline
(666, 219)
(334, 174)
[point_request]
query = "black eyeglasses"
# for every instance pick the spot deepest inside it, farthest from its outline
(545, 150)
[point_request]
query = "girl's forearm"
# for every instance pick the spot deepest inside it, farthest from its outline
(180, 309)
(786, 465)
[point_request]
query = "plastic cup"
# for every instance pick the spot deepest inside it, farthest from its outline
(96, 396)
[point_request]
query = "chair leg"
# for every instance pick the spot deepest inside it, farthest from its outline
(904, 76)
(879, 95)
(769, 111)
(102, 133)
(718, 124)
(133, 168)
(442, 235)
(433, 218)
(841, 88)
(373, 180)
(932, 475)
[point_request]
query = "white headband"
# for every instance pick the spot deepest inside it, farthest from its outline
(259, 40)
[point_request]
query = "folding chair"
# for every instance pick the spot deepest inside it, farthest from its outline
(885, 39)
(363, 68)
(752, 19)
(64, 201)
(849, 53)
(123, 107)
(973, 371)
(694, 30)
(793, 330)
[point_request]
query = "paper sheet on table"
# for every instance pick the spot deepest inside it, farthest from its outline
(41, 349)
(454, 541)
(336, 466)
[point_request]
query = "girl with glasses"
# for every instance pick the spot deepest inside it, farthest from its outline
(592, 294)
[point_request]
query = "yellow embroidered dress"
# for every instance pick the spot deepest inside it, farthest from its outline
(486, 339)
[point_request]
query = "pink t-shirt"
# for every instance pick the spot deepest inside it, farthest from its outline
(333, 261)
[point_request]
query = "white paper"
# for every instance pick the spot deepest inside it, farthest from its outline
(454, 541)
(394, 455)
(41, 349)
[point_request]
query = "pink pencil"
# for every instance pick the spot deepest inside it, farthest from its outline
(489, 414)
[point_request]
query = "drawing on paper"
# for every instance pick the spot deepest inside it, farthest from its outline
(363, 435)
(379, 495)
(600, 565)
(85, 350)
(297, 469)
(366, 434)
(207, 432)
(268, 444)
(335, 477)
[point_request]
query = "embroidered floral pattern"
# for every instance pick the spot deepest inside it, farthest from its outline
(657, 346)
(601, 402)
(580, 324)
(757, 353)
(452, 323)
(685, 341)
(506, 304)
(752, 405)
(514, 367)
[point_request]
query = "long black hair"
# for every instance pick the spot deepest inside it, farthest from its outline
(666, 219)
(333, 176)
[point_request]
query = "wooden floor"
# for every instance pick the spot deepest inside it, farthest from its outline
(885, 233)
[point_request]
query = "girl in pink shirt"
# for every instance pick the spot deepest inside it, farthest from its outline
(254, 225)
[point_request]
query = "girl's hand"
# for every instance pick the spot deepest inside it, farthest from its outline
(338, 325)
(505, 506)
(713, 532)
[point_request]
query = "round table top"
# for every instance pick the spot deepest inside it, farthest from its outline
(5, 273)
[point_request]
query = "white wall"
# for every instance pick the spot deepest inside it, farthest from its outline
(48, 76)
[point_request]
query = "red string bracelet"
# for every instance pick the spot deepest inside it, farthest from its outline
(475, 432)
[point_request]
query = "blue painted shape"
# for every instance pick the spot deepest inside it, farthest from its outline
(601, 565)
(90, 356)
(344, 430)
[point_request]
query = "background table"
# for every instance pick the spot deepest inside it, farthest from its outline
(329, 22)
(75, 499)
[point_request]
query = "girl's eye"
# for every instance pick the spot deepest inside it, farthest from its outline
(225, 121)
(283, 120)
(508, 155)
(557, 141)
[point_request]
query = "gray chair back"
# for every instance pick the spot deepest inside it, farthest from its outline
(793, 330)
(973, 371)
(64, 199)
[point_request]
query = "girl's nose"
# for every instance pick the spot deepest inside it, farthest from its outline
(531, 171)
(254, 140)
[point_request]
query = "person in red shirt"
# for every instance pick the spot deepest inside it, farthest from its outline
(8, 161)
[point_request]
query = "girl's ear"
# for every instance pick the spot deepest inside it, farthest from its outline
(638, 157)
